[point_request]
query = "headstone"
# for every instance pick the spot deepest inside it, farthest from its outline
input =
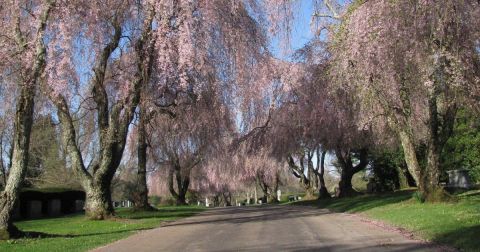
(54, 207)
(79, 204)
(34, 209)
(459, 179)
(279, 195)
(206, 202)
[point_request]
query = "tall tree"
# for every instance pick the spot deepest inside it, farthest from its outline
(114, 88)
(23, 48)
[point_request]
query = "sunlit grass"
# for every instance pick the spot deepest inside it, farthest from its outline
(75, 233)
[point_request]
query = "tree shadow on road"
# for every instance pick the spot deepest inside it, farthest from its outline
(359, 203)
(249, 214)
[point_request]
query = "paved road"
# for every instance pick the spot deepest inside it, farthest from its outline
(270, 228)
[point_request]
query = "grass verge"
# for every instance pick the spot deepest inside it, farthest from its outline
(455, 224)
(75, 233)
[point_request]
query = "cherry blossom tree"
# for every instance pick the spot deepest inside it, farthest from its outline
(407, 62)
(120, 69)
(23, 49)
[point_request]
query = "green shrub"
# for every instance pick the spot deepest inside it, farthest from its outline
(418, 196)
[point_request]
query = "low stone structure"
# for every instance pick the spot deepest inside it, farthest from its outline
(39, 203)
(34, 209)
(54, 207)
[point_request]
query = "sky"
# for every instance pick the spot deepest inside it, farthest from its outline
(301, 32)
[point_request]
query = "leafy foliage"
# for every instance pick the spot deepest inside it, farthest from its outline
(462, 150)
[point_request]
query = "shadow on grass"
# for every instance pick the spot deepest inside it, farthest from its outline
(42, 235)
(359, 203)
(465, 238)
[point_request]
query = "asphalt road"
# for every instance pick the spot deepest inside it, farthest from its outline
(268, 228)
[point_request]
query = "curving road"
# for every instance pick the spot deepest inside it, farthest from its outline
(268, 228)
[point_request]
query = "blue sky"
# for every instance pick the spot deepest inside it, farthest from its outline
(301, 32)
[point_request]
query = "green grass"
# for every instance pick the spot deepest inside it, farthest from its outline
(75, 233)
(455, 224)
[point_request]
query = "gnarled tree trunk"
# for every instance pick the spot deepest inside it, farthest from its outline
(345, 188)
(98, 204)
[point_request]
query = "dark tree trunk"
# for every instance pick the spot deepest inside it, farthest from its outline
(345, 188)
(182, 183)
(322, 191)
(141, 197)
(227, 198)
(264, 188)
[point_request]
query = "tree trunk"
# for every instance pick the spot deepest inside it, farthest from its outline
(345, 188)
(141, 199)
(299, 172)
(273, 195)
(182, 185)
(410, 156)
(23, 126)
(264, 188)
(181, 199)
(227, 198)
(98, 204)
(438, 134)
(322, 192)
(402, 178)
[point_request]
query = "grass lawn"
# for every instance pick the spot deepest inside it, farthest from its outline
(456, 224)
(75, 233)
